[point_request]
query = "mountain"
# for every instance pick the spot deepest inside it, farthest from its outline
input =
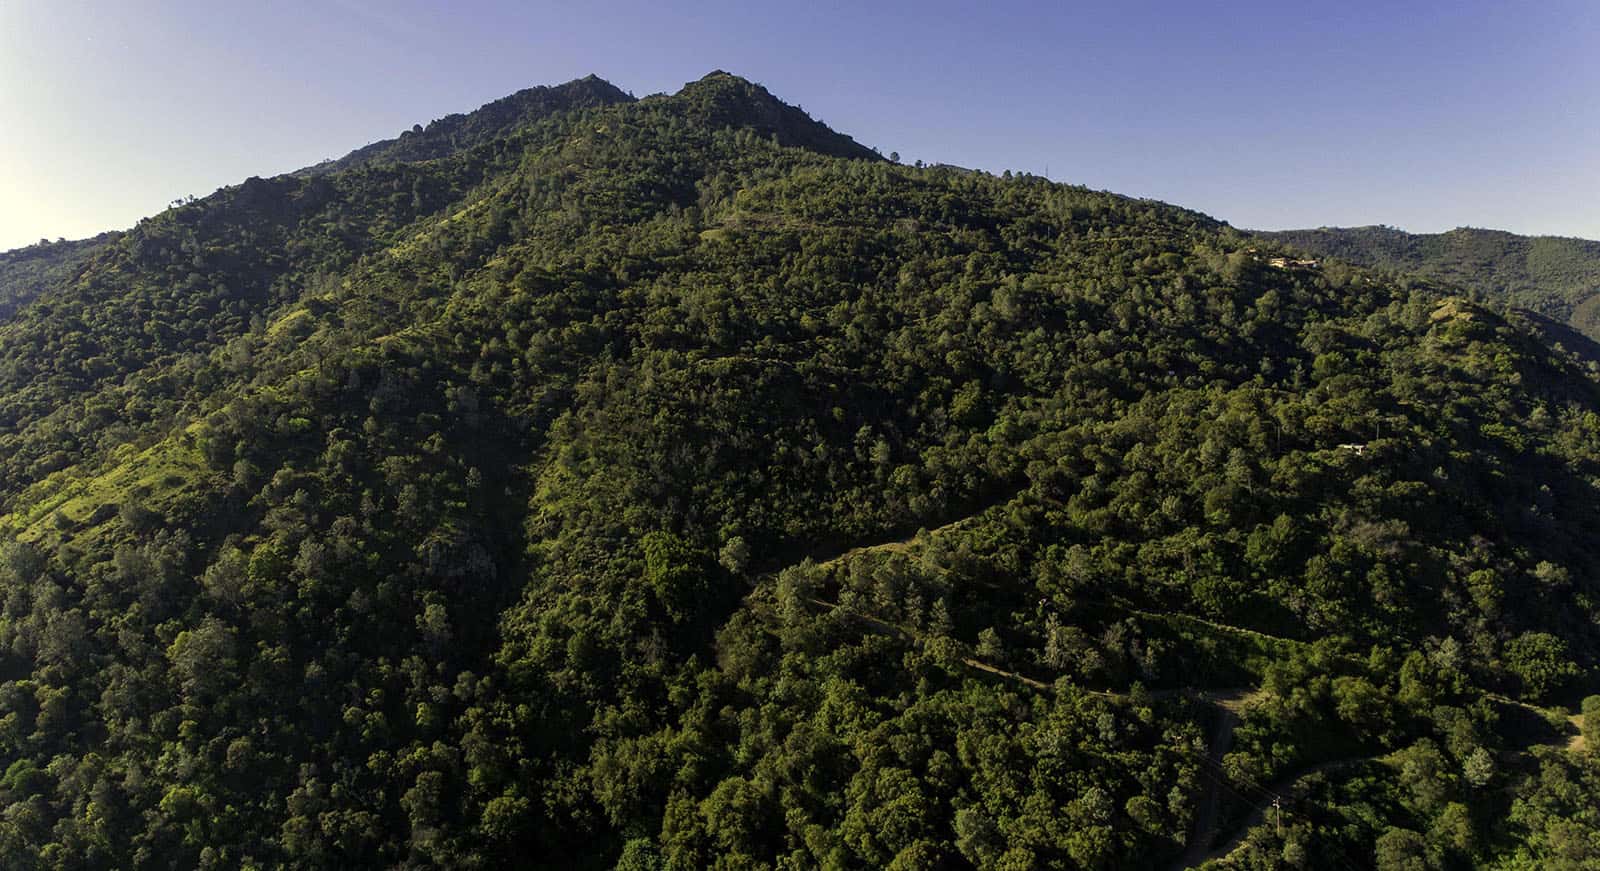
(461, 132)
(27, 272)
(675, 483)
(1555, 276)
(721, 99)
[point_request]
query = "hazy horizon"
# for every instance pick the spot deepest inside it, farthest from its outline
(1428, 118)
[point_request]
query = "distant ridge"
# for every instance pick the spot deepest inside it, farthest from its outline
(1554, 275)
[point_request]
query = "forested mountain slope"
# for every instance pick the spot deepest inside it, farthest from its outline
(27, 272)
(674, 484)
(461, 132)
(1558, 277)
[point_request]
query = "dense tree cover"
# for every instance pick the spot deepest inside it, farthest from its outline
(463, 131)
(673, 484)
(27, 272)
(1556, 276)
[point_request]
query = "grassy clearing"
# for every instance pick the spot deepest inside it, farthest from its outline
(77, 500)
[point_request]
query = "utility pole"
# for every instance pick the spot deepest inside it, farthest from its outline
(1277, 805)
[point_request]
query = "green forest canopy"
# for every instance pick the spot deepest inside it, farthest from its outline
(674, 483)
(1555, 276)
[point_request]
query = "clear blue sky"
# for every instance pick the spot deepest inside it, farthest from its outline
(1426, 115)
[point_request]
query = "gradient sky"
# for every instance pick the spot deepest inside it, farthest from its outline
(1425, 115)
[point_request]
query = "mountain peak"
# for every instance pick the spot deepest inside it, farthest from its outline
(463, 130)
(721, 98)
(725, 87)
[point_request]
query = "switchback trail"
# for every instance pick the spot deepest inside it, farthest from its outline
(1278, 789)
(1210, 806)
(828, 557)
(1228, 703)
(901, 545)
(1284, 788)
(888, 628)
(1572, 741)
